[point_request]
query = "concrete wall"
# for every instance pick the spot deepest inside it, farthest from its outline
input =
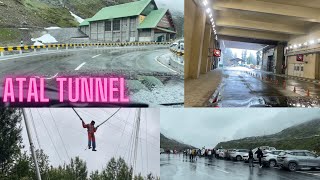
(311, 55)
(195, 21)
(85, 29)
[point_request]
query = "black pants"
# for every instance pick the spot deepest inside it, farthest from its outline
(260, 161)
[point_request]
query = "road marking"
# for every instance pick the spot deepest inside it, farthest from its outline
(49, 77)
(96, 56)
(308, 173)
(80, 66)
(222, 171)
(165, 65)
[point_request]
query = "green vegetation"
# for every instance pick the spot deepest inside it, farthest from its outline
(171, 144)
(9, 34)
(18, 165)
(303, 136)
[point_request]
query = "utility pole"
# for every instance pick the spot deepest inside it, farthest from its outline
(136, 142)
(31, 144)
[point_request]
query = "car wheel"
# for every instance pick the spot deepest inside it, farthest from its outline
(272, 163)
(238, 158)
(292, 166)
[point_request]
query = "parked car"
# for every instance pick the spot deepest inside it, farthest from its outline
(270, 158)
(264, 149)
(297, 159)
(227, 153)
(238, 154)
(221, 153)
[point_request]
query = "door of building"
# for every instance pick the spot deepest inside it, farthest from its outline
(270, 63)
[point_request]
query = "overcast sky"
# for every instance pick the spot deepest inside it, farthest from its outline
(208, 126)
(171, 4)
(110, 141)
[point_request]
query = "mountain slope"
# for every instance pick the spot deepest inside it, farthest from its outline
(169, 144)
(301, 136)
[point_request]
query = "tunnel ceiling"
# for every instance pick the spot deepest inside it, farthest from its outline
(264, 21)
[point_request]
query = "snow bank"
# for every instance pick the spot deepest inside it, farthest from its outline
(49, 28)
(78, 19)
(47, 38)
(37, 43)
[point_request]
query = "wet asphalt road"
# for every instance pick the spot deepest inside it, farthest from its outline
(178, 167)
(242, 89)
(150, 81)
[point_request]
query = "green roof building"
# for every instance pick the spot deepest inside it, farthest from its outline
(138, 21)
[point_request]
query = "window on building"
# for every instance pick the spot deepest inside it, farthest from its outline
(116, 25)
(108, 26)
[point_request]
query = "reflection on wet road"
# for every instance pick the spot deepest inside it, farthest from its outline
(242, 87)
(179, 167)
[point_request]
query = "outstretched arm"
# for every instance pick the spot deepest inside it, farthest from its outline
(84, 125)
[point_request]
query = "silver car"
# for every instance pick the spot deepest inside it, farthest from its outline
(270, 158)
(238, 154)
(297, 159)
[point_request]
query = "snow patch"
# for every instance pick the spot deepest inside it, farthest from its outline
(47, 38)
(24, 28)
(37, 43)
(49, 28)
(78, 19)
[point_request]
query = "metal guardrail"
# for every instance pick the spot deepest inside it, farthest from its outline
(75, 45)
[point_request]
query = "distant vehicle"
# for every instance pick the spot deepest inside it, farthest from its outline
(238, 154)
(173, 44)
(227, 154)
(297, 159)
(162, 150)
(270, 158)
(221, 153)
(264, 149)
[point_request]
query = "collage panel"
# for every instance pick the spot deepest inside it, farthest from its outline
(81, 143)
(252, 53)
(117, 53)
(238, 143)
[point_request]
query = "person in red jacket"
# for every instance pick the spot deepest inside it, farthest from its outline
(91, 130)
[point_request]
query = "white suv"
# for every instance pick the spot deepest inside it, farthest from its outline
(270, 158)
(238, 154)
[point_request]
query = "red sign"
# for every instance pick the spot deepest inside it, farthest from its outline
(217, 52)
(300, 57)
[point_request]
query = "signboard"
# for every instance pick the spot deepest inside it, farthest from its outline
(141, 18)
(217, 52)
(300, 57)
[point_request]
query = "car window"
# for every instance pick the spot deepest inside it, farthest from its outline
(299, 154)
(310, 154)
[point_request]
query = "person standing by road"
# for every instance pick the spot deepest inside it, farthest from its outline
(251, 158)
(259, 156)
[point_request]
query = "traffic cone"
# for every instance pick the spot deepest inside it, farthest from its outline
(294, 89)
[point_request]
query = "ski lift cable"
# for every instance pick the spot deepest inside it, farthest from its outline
(117, 149)
(156, 138)
(120, 128)
(54, 146)
(64, 146)
(103, 121)
(35, 129)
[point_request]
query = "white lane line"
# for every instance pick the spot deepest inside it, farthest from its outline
(165, 65)
(96, 56)
(308, 173)
(49, 77)
(222, 171)
(76, 69)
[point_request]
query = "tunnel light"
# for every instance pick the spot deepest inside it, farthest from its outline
(287, 48)
(300, 45)
(311, 42)
(306, 43)
(210, 15)
(208, 10)
(211, 20)
(205, 2)
(290, 47)
(216, 37)
(213, 26)
(295, 46)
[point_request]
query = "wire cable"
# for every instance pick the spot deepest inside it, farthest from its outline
(64, 146)
(35, 129)
(49, 136)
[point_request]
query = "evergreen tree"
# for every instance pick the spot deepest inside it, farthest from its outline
(10, 139)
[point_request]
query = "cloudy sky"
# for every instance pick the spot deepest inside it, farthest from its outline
(208, 126)
(171, 4)
(112, 138)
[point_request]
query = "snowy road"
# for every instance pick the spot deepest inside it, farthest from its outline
(148, 80)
